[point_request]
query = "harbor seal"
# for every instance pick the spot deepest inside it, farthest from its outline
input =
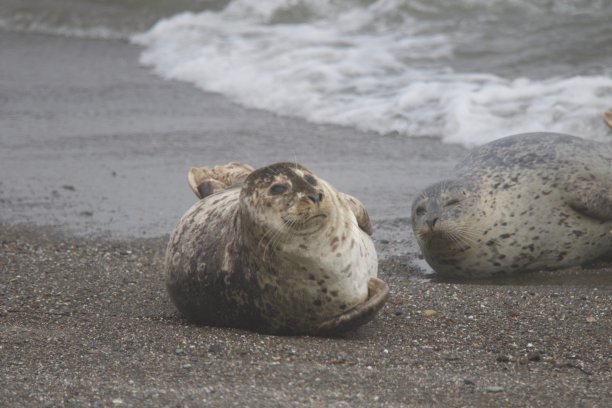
(275, 250)
(525, 202)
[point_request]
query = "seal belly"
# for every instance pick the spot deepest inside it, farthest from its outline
(318, 279)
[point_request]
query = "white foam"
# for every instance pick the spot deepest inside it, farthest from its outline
(371, 67)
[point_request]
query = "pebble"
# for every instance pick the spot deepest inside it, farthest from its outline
(215, 348)
(534, 356)
(502, 358)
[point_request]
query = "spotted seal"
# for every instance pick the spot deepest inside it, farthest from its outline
(275, 250)
(525, 202)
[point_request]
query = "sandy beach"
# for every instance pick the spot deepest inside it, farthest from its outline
(94, 151)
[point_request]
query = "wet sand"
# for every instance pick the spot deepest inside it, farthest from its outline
(93, 155)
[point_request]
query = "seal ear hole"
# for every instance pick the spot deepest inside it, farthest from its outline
(420, 211)
(278, 189)
(310, 179)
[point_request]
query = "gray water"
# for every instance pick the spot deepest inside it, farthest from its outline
(463, 71)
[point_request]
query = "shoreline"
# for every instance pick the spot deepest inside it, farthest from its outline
(98, 144)
(94, 151)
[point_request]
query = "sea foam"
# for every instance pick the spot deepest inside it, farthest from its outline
(385, 66)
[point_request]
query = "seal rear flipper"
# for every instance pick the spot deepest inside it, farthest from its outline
(360, 212)
(378, 292)
(205, 181)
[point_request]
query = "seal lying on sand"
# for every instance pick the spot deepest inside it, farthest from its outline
(525, 202)
(275, 250)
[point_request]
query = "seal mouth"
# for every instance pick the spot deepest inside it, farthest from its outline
(314, 217)
(301, 223)
(378, 293)
(447, 238)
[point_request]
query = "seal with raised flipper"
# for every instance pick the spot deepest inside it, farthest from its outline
(525, 202)
(275, 250)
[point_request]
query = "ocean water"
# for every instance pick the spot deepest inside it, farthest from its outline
(463, 71)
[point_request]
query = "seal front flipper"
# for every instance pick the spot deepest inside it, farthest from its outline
(595, 204)
(205, 181)
(360, 212)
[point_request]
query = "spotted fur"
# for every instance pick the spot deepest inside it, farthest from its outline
(283, 252)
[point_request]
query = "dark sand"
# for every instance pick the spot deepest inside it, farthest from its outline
(97, 148)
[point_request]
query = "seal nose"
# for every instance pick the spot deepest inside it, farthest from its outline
(315, 198)
(431, 223)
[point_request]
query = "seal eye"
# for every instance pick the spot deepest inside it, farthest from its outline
(420, 211)
(452, 201)
(311, 180)
(278, 189)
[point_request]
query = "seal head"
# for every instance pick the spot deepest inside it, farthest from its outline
(280, 252)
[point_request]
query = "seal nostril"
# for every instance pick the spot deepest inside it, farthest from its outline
(431, 223)
(315, 198)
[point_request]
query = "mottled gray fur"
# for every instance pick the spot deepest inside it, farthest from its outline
(525, 202)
